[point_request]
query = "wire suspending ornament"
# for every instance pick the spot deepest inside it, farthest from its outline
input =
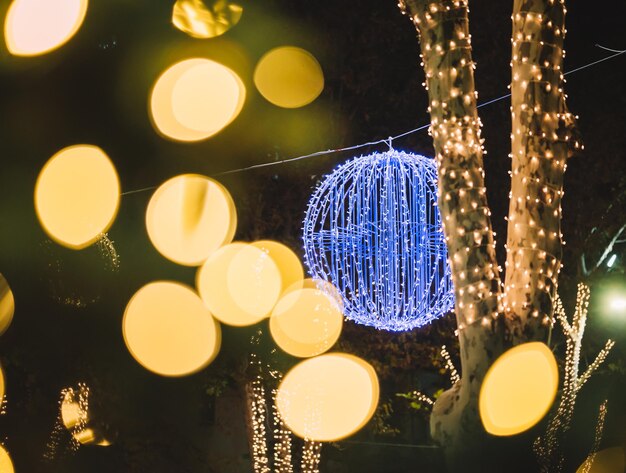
(373, 230)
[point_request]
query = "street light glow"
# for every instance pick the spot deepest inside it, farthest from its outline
(611, 260)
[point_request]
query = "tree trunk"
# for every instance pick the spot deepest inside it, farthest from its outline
(455, 127)
(542, 139)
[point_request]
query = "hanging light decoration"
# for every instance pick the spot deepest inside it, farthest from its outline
(373, 230)
(205, 20)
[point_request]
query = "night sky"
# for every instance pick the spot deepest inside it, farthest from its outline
(69, 305)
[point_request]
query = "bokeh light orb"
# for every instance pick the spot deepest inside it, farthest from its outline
(77, 196)
(169, 331)
(288, 263)
(34, 27)
(519, 389)
(7, 305)
(195, 99)
(240, 284)
(189, 217)
(6, 465)
(289, 77)
(609, 460)
(2, 386)
(373, 230)
(306, 322)
(72, 414)
(199, 20)
(329, 397)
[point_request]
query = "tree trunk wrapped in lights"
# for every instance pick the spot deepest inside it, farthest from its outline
(542, 140)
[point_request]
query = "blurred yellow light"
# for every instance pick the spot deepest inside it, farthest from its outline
(7, 305)
(328, 397)
(77, 195)
(306, 322)
(519, 389)
(289, 77)
(195, 99)
(1, 384)
(189, 217)
(324, 286)
(288, 263)
(240, 284)
(169, 331)
(610, 460)
(6, 465)
(34, 27)
(71, 412)
(201, 21)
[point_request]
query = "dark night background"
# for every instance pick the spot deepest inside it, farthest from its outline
(69, 305)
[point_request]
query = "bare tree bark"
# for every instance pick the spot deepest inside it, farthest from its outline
(543, 137)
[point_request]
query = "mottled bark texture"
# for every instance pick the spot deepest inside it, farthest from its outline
(542, 139)
(455, 127)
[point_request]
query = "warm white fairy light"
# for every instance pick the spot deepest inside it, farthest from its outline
(586, 466)
(258, 411)
(311, 455)
(454, 374)
(547, 447)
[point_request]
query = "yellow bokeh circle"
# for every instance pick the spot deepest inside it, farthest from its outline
(34, 27)
(189, 217)
(6, 465)
(519, 389)
(609, 460)
(77, 196)
(289, 77)
(169, 331)
(328, 397)
(2, 387)
(306, 322)
(288, 263)
(240, 284)
(7, 305)
(195, 99)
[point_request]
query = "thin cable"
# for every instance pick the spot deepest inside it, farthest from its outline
(383, 140)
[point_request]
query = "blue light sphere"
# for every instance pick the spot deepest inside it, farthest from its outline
(372, 229)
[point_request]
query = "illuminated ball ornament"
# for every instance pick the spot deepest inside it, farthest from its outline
(373, 230)
(6, 465)
(240, 284)
(329, 397)
(195, 99)
(77, 196)
(519, 389)
(34, 27)
(189, 217)
(306, 322)
(7, 305)
(169, 331)
(289, 77)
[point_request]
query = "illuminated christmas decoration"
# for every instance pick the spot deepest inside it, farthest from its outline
(7, 305)
(34, 27)
(77, 196)
(240, 284)
(289, 265)
(6, 465)
(289, 77)
(518, 389)
(373, 230)
(204, 20)
(189, 217)
(195, 99)
(169, 331)
(547, 447)
(328, 397)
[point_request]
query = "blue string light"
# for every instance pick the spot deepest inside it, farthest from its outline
(373, 230)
